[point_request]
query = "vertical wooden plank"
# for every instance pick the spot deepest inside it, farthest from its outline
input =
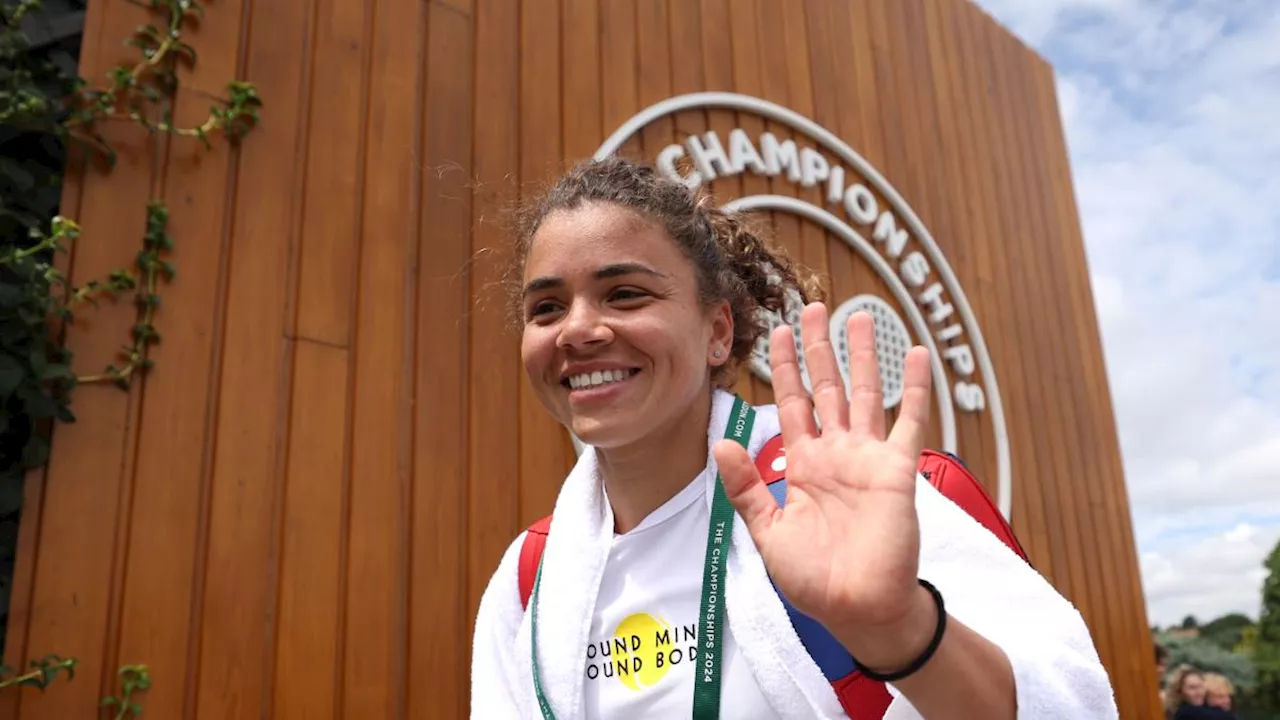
(833, 86)
(494, 429)
(619, 73)
(973, 209)
(1108, 501)
(542, 457)
(156, 598)
(800, 73)
(1090, 592)
(307, 675)
(237, 557)
(761, 67)
(995, 268)
(330, 227)
(743, 31)
(376, 579)
(22, 585)
(856, 99)
(877, 71)
(687, 71)
(581, 99)
(1086, 528)
(932, 201)
(1051, 469)
(440, 589)
(653, 43)
(715, 18)
(87, 481)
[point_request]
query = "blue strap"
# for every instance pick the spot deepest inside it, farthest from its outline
(832, 657)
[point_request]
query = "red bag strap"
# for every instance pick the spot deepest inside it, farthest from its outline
(952, 478)
(859, 696)
(535, 541)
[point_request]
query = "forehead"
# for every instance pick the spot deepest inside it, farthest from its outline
(593, 235)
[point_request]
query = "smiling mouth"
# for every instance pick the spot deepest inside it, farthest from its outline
(599, 378)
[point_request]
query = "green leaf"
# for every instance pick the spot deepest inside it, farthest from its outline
(11, 374)
(56, 371)
(21, 178)
(36, 453)
(64, 414)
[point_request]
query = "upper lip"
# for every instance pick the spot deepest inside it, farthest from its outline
(590, 367)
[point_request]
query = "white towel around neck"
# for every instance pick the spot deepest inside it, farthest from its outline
(1056, 668)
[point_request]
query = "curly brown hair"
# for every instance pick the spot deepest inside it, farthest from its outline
(731, 259)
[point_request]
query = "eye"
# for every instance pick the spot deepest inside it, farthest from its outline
(541, 309)
(627, 295)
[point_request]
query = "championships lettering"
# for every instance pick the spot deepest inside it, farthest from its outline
(847, 196)
(709, 624)
(809, 168)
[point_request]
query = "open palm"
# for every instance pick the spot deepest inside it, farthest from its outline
(845, 549)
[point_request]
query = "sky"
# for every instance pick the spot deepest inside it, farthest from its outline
(1172, 117)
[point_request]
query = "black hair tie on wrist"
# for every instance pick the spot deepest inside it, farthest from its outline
(928, 653)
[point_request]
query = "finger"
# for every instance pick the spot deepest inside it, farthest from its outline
(746, 491)
(913, 413)
(866, 395)
(795, 410)
(824, 370)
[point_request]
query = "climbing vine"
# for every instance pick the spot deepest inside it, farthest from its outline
(47, 112)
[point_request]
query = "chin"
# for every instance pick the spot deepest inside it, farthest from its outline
(603, 433)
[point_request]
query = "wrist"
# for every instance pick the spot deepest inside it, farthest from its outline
(891, 647)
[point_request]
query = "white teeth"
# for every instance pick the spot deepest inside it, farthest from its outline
(599, 377)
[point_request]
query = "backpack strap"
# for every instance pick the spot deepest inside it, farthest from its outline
(535, 541)
(952, 478)
(860, 696)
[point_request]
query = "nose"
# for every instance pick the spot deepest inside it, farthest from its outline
(582, 327)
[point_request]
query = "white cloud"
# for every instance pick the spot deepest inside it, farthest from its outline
(1226, 569)
(1172, 113)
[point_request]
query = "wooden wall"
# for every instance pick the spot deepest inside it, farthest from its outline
(295, 514)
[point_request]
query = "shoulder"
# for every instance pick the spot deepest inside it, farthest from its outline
(501, 599)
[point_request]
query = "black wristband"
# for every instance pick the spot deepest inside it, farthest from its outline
(928, 653)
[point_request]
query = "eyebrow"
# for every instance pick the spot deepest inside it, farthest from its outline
(604, 273)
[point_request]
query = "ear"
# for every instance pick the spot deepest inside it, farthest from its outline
(721, 341)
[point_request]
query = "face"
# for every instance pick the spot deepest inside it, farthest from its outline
(616, 343)
(1193, 689)
(1218, 697)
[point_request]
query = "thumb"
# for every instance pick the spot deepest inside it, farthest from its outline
(745, 489)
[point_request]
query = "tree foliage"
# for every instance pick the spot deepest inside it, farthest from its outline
(1209, 657)
(1266, 642)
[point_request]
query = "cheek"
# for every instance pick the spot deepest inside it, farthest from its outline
(537, 350)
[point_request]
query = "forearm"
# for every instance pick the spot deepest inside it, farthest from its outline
(968, 676)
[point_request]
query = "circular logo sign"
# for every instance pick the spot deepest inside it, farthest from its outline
(926, 306)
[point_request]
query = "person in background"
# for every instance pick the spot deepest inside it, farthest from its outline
(1185, 694)
(1218, 695)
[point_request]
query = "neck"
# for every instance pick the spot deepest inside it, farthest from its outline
(642, 476)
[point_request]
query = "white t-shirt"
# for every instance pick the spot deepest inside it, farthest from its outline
(645, 625)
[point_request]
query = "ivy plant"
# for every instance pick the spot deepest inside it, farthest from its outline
(47, 112)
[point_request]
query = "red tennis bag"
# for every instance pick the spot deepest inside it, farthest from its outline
(859, 696)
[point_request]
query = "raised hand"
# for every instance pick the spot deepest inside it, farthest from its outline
(845, 549)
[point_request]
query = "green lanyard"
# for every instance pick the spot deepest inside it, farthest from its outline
(706, 683)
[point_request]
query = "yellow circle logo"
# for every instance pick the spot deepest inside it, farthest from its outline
(647, 641)
(642, 651)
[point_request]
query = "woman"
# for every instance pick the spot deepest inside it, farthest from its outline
(1219, 694)
(639, 299)
(1184, 695)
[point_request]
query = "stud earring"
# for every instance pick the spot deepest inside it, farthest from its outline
(717, 353)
